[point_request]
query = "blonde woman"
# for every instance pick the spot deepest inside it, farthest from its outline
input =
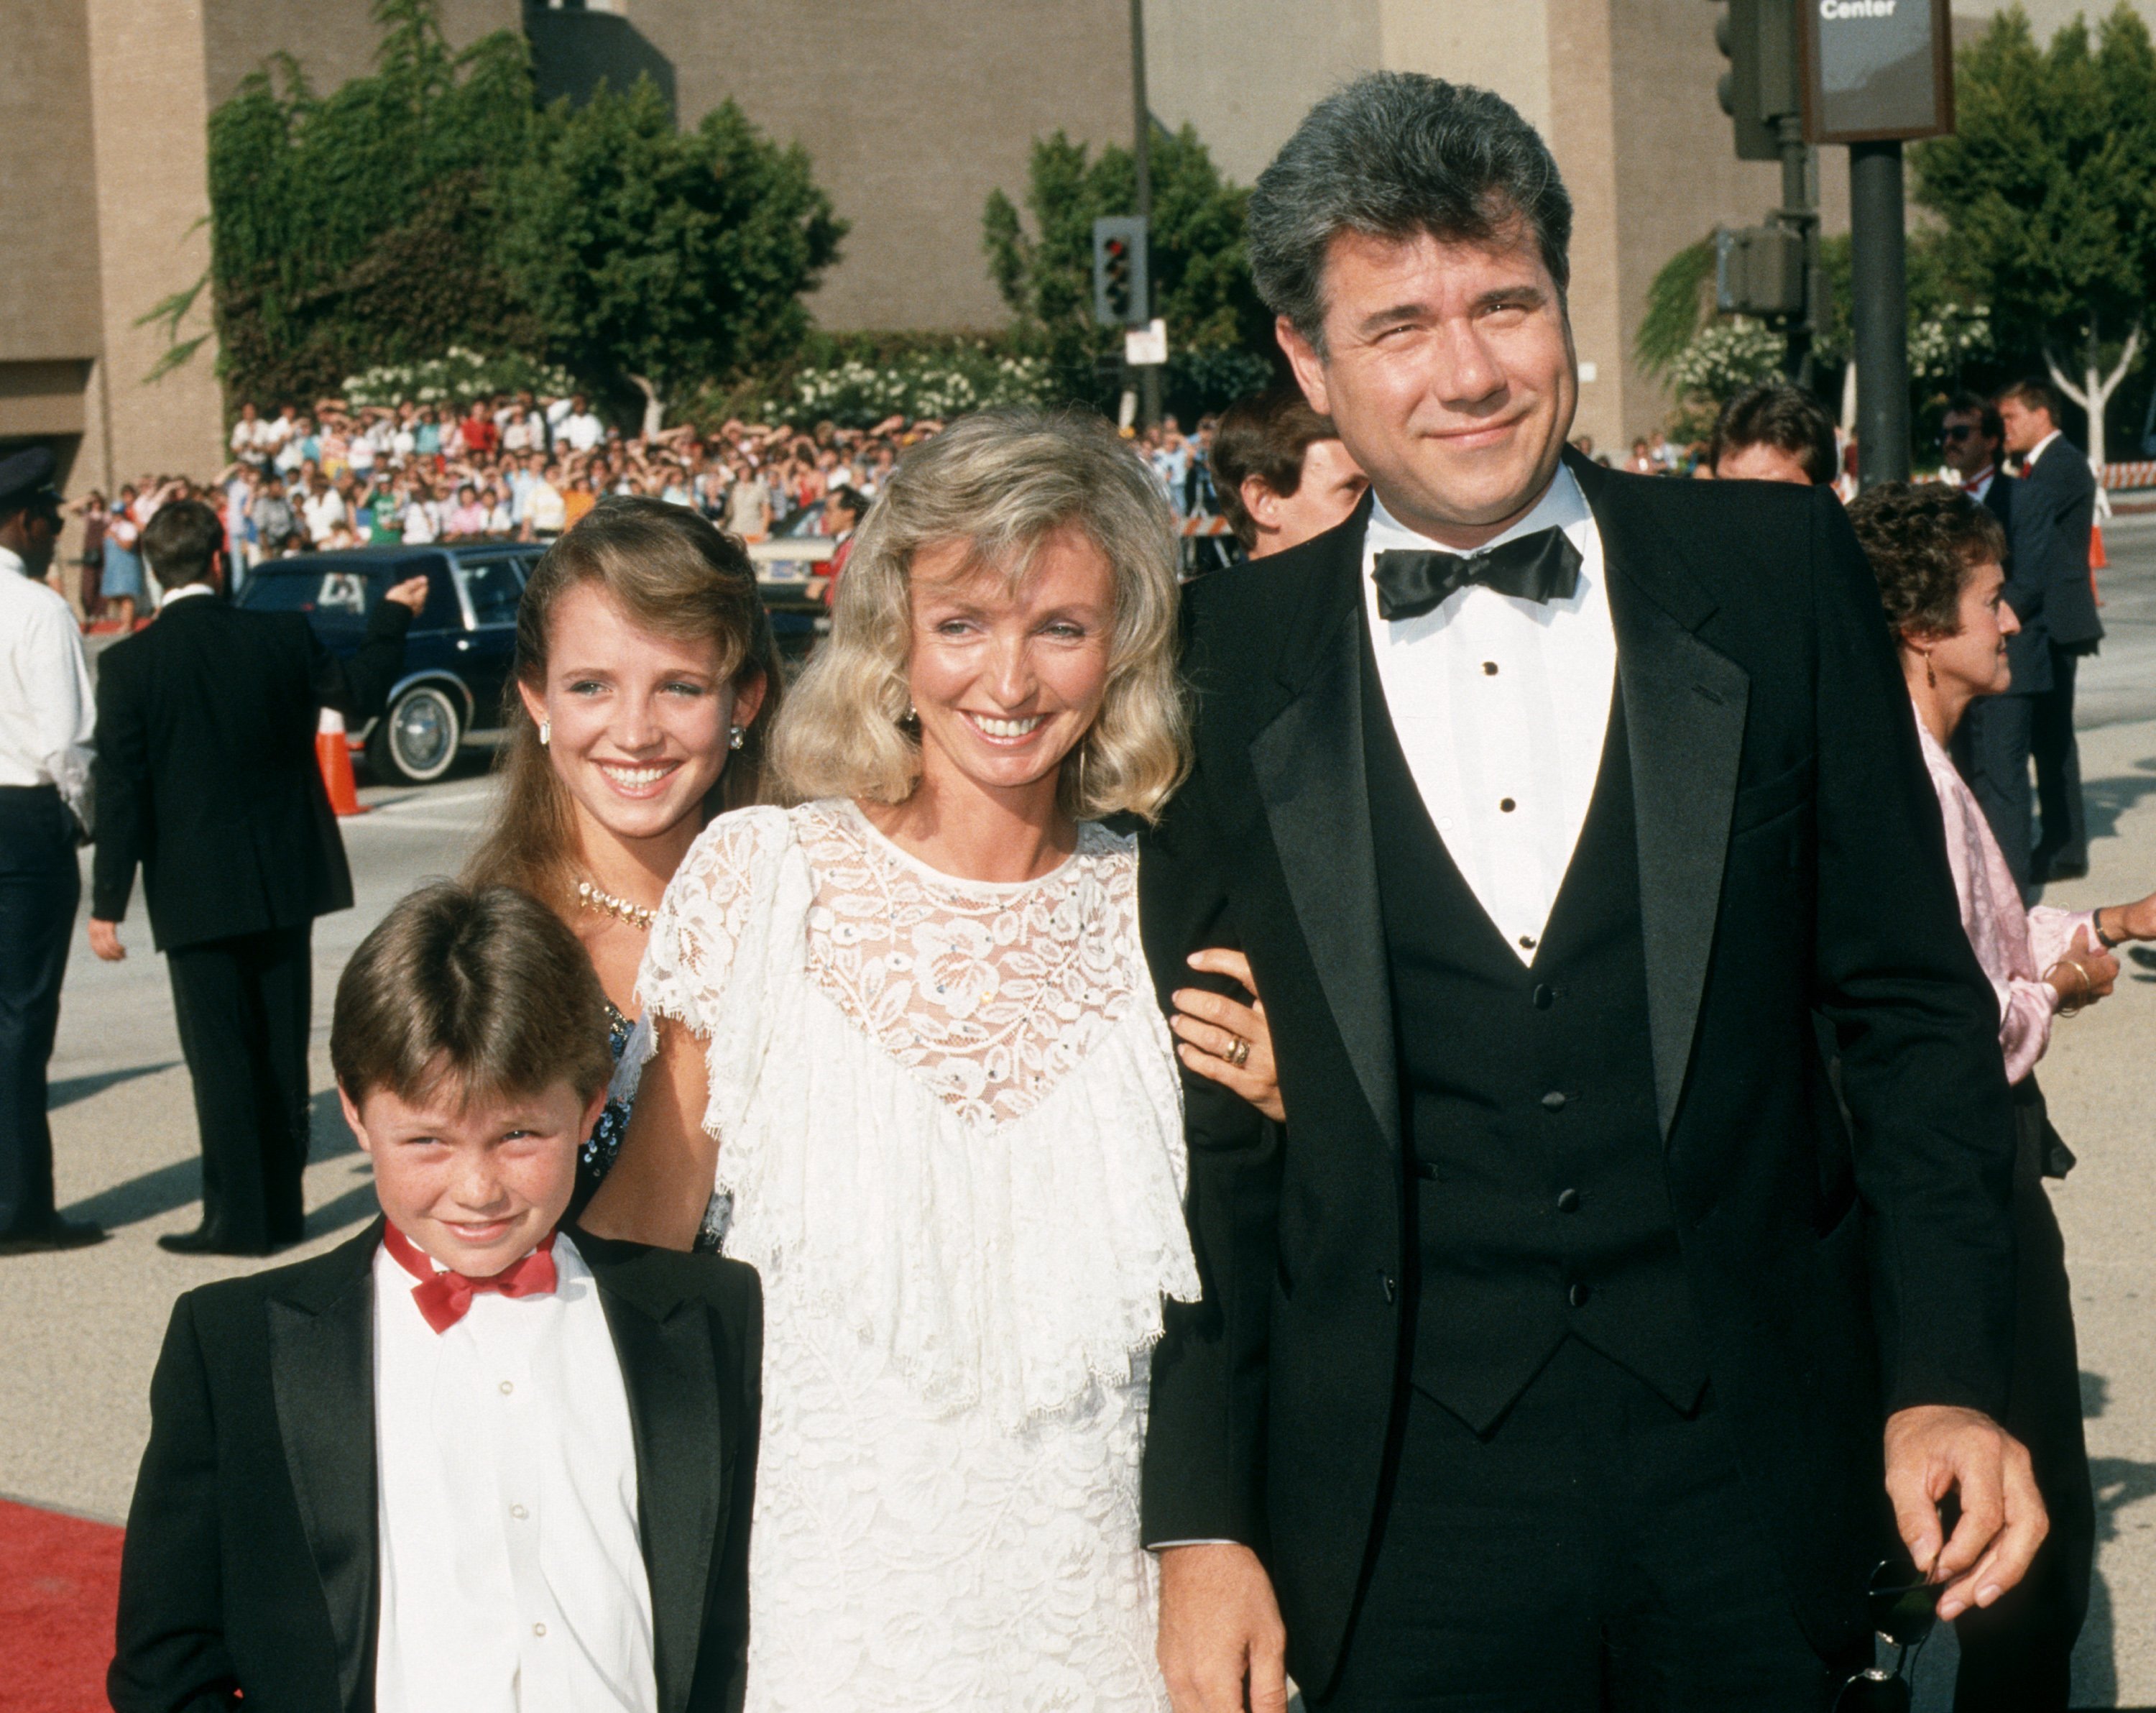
(646, 677)
(906, 1030)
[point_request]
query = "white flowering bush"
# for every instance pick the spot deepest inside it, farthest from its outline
(1941, 341)
(940, 384)
(1726, 356)
(457, 375)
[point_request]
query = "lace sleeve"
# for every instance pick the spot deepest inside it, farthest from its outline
(698, 930)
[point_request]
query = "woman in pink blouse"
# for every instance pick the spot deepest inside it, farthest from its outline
(1937, 554)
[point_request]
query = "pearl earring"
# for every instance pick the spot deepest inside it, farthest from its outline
(546, 732)
(735, 736)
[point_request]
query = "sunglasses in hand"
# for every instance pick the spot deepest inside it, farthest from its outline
(1902, 1608)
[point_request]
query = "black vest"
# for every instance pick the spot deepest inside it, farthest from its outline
(1533, 1151)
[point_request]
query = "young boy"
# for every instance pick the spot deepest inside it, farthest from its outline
(469, 1461)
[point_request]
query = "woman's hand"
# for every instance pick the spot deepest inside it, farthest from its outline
(2086, 974)
(1230, 1043)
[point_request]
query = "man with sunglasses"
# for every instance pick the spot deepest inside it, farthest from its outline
(1992, 746)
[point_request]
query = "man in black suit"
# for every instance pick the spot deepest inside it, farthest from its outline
(1548, 1352)
(2055, 516)
(206, 776)
(1991, 744)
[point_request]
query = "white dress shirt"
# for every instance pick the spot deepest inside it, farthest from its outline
(512, 1575)
(1501, 705)
(47, 710)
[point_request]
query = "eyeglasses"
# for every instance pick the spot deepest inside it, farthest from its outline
(1902, 1613)
(1953, 432)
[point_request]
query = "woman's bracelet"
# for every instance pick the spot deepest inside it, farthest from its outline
(2071, 1008)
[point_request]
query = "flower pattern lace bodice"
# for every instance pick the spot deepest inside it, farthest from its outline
(950, 1141)
(990, 994)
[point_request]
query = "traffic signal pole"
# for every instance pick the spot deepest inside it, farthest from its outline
(1141, 158)
(1879, 312)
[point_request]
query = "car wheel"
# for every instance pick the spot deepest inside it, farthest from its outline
(418, 738)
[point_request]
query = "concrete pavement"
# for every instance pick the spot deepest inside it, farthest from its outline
(79, 1333)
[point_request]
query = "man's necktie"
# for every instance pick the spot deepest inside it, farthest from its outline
(444, 1298)
(1541, 567)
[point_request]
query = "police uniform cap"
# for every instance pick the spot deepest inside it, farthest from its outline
(26, 479)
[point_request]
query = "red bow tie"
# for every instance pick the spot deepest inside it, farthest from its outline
(444, 1298)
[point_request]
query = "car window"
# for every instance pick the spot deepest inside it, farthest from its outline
(347, 589)
(494, 589)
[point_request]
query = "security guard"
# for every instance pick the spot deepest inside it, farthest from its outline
(46, 715)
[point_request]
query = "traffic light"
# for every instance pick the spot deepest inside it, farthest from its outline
(1759, 271)
(1761, 86)
(1121, 297)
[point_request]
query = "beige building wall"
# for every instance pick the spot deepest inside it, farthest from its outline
(912, 114)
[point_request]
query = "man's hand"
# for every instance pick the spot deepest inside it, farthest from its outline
(105, 940)
(410, 592)
(1936, 1448)
(1219, 1629)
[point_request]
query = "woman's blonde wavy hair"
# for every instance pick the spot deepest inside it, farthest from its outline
(1001, 482)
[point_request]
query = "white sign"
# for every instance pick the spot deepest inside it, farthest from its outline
(1146, 346)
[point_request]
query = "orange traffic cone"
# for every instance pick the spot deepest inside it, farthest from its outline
(333, 755)
(2098, 561)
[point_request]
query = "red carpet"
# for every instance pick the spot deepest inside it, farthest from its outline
(59, 1586)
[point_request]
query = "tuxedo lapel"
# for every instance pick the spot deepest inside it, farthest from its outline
(683, 1453)
(1684, 711)
(1308, 761)
(322, 1363)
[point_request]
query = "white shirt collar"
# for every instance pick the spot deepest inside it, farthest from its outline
(186, 589)
(2041, 447)
(1562, 506)
(10, 560)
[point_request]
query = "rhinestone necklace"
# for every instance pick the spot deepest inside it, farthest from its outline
(591, 898)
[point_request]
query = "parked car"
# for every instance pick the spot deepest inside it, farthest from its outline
(458, 654)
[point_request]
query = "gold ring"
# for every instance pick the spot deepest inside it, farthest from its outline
(1239, 1055)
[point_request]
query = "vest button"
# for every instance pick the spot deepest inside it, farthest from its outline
(1577, 1296)
(1544, 996)
(1390, 1286)
(1568, 1202)
(1553, 1102)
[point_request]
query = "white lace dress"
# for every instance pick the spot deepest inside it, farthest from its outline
(950, 1140)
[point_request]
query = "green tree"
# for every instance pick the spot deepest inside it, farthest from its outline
(1219, 333)
(359, 227)
(2048, 193)
(663, 259)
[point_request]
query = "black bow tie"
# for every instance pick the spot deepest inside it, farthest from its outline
(1541, 567)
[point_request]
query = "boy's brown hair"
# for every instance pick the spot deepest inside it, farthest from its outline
(1265, 435)
(481, 991)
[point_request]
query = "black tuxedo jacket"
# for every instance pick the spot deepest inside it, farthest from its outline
(2029, 650)
(1791, 861)
(252, 1563)
(206, 774)
(2054, 514)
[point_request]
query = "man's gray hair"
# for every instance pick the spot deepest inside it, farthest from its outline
(1395, 155)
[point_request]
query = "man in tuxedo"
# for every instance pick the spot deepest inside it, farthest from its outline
(1555, 1351)
(205, 777)
(1991, 744)
(2054, 516)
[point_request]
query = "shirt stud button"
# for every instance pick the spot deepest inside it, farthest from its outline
(1506, 805)
(540, 1629)
(518, 1512)
(508, 1387)
(1489, 669)
(1568, 1202)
